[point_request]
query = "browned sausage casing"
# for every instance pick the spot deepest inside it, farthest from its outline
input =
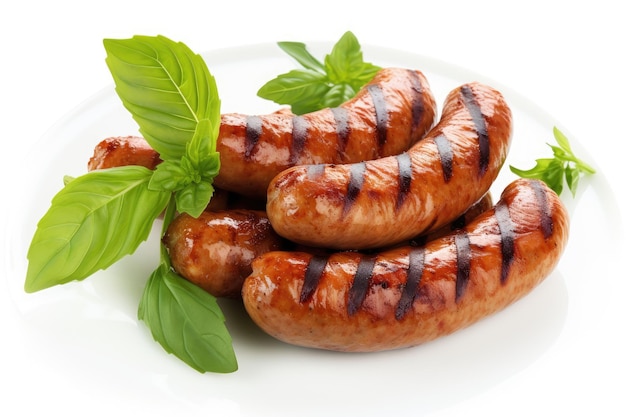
(406, 296)
(385, 201)
(386, 117)
(121, 151)
(215, 250)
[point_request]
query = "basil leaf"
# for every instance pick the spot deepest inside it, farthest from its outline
(187, 322)
(345, 60)
(92, 222)
(296, 87)
(166, 87)
(298, 51)
(338, 94)
(194, 197)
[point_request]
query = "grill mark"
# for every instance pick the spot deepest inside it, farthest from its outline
(480, 125)
(315, 171)
(360, 285)
(446, 156)
(547, 225)
(405, 174)
(414, 275)
(417, 102)
(507, 240)
(341, 127)
(254, 130)
(312, 276)
(299, 134)
(382, 117)
(463, 256)
(357, 173)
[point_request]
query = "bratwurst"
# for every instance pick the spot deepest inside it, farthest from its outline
(402, 297)
(388, 115)
(382, 202)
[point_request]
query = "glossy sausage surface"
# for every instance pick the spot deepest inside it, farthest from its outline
(215, 250)
(385, 201)
(406, 296)
(386, 117)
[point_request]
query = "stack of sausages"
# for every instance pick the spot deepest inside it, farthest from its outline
(368, 226)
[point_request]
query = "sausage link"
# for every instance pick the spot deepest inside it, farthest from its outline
(402, 297)
(386, 201)
(121, 151)
(386, 117)
(215, 250)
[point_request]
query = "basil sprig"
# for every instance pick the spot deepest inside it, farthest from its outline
(319, 85)
(102, 216)
(563, 165)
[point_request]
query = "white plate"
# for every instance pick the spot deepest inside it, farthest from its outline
(87, 333)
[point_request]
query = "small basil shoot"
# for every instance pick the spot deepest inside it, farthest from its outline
(564, 164)
(318, 85)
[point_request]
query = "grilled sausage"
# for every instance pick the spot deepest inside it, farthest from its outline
(403, 297)
(215, 250)
(385, 201)
(391, 113)
(386, 117)
(121, 151)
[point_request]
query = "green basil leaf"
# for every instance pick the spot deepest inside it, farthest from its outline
(194, 197)
(166, 87)
(338, 94)
(92, 222)
(187, 322)
(203, 144)
(345, 59)
(295, 86)
(572, 177)
(169, 176)
(298, 51)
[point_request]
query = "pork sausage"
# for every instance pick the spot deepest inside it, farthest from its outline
(215, 250)
(351, 301)
(385, 201)
(386, 117)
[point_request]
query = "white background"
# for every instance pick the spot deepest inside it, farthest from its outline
(566, 56)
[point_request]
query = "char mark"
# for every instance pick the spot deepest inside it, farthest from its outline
(342, 128)
(480, 125)
(299, 136)
(405, 175)
(446, 156)
(357, 175)
(312, 277)
(463, 256)
(382, 116)
(254, 129)
(547, 225)
(417, 102)
(507, 239)
(315, 171)
(360, 285)
(414, 275)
